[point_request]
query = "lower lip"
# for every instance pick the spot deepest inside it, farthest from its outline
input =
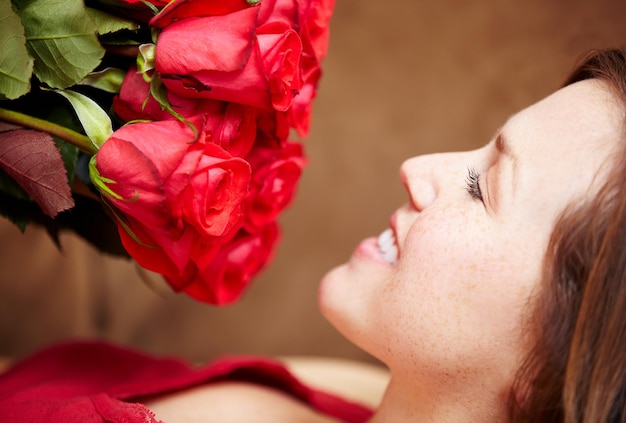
(368, 250)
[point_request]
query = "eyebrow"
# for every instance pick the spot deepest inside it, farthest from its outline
(504, 147)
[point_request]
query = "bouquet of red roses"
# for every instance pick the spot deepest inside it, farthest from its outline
(172, 121)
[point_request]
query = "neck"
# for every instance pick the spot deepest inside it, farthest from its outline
(406, 402)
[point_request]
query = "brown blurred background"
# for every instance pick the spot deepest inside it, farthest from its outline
(403, 77)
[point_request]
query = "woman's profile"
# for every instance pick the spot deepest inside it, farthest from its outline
(498, 293)
(524, 265)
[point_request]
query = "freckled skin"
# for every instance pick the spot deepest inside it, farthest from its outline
(448, 318)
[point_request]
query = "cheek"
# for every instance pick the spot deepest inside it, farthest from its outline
(459, 294)
(442, 256)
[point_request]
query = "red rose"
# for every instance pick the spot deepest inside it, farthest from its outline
(134, 101)
(272, 128)
(200, 206)
(231, 126)
(234, 128)
(172, 190)
(227, 276)
(229, 57)
(274, 180)
(315, 17)
(314, 32)
(299, 115)
(281, 51)
(161, 251)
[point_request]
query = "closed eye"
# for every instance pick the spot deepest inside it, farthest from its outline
(472, 184)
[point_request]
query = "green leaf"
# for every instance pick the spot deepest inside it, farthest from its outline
(62, 38)
(69, 153)
(16, 65)
(109, 24)
(109, 80)
(95, 121)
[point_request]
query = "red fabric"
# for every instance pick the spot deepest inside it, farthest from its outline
(98, 382)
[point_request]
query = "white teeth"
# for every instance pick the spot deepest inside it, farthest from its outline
(388, 247)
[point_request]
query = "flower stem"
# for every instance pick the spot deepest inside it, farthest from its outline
(79, 140)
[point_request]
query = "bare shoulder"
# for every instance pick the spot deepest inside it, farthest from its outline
(244, 402)
(354, 380)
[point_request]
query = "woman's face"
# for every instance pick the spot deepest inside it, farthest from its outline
(445, 294)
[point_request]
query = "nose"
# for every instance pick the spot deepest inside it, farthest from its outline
(419, 179)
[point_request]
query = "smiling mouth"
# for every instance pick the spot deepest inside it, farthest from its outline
(388, 246)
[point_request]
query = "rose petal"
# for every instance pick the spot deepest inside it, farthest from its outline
(182, 9)
(230, 273)
(218, 43)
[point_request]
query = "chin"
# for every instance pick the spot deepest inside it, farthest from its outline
(329, 293)
(343, 299)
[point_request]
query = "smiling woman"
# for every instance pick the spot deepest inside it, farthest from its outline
(496, 295)
(451, 314)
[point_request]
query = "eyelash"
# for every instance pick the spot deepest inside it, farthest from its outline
(472, 185)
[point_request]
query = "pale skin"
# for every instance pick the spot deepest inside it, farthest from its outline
(447, 317)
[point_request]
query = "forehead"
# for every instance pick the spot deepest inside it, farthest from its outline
(580, 123)
(563, 142)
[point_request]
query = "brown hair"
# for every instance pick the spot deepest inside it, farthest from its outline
(576, 371)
